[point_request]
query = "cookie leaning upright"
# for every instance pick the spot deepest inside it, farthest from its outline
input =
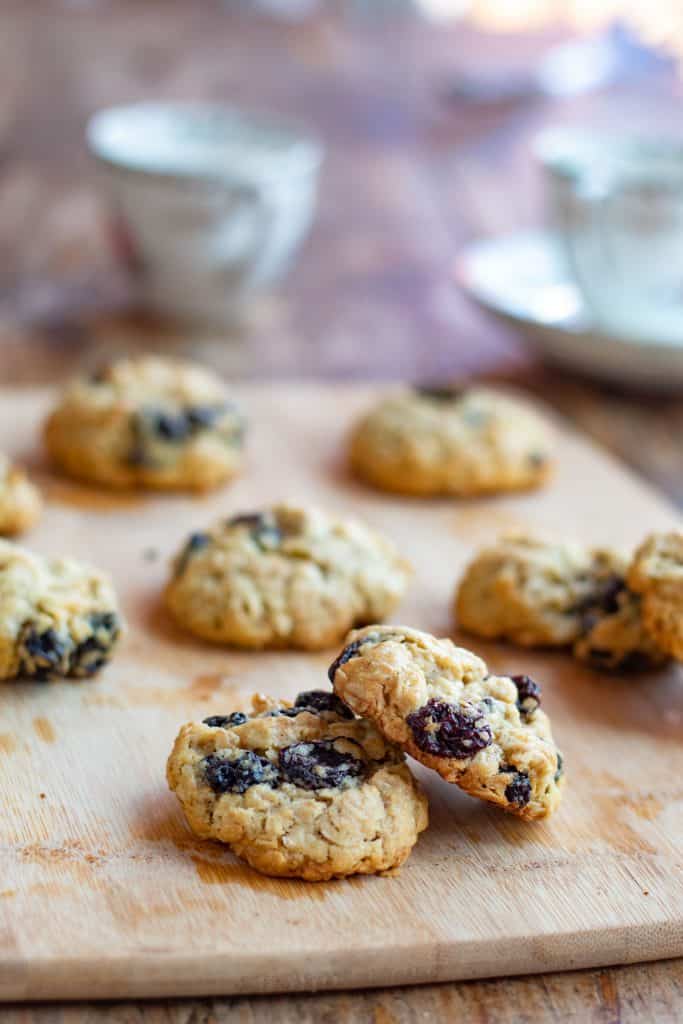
(58, 617)
(20, 501)
(485, 733)
(147, 422)
(656, 573)
(306, 791)
(284, 577)
(439, 441)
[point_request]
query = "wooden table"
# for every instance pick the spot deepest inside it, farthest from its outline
(409, 176)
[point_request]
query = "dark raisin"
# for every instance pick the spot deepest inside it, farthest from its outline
(446, 730)
(236, 775)
(440, 392)
(528, 695)
(91, 654)
(319, 765)
(351, 650)
(200, 417)
(195, 542)
(559, 771)
(517, 792)
(605, 598)
(178, 426)
(322, 700)
(169, 426)
(263, 528)
(251, 519)
(609, 598)
(537, 459)
(226, 721)
(283, 712)
(606, 660)
(43, 654)
(151, 425)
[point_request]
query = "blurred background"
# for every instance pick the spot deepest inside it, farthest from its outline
(445, 240)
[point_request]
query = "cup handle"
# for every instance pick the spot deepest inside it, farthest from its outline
(253, 199)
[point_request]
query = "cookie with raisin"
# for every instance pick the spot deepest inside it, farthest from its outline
(458, 441)
(58, 617)
(614, 636)
(284, 577)
(539, 591)
(656, 574)
(20, 501)
(148, 422)
(302, 791)
(439, 703)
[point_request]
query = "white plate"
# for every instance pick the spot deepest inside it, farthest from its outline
(521, 279)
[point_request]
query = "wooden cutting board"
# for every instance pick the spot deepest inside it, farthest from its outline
(104, 893)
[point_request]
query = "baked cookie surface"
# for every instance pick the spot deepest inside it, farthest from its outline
(537, 591)
(20, 501)
(58, 617)
(656, 574)
(147, 422)
(440, 441)
(438, 702)
(306, 791)
(284, 577)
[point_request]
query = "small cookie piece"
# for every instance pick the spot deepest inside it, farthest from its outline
(20, 501)
(58, 617)
(304, 791)
(535, 591)
(483, 732)
(614, 637)
(284, 577)
(458, 441)
(148, 422)
(656, 573)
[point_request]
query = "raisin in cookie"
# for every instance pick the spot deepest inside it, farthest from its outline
(57, 617)
(147, 422)
(433, 441)
(486, 733)
(613, 636)
(306, 791)
(20, 501)
(656, 573)
(536, 591)
(284, 577)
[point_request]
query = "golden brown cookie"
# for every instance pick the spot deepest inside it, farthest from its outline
(656, 573)
(439, 703)
(58, 617)
(284, 577)
(20, 501)
(304, 791)
(148, 422)
(539, 591)
(466, 441)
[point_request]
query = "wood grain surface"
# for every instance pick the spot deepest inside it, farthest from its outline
(138, 907)
(410, 174)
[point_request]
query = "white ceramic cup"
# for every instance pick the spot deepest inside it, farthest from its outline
(616, 203)
(209, 203)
